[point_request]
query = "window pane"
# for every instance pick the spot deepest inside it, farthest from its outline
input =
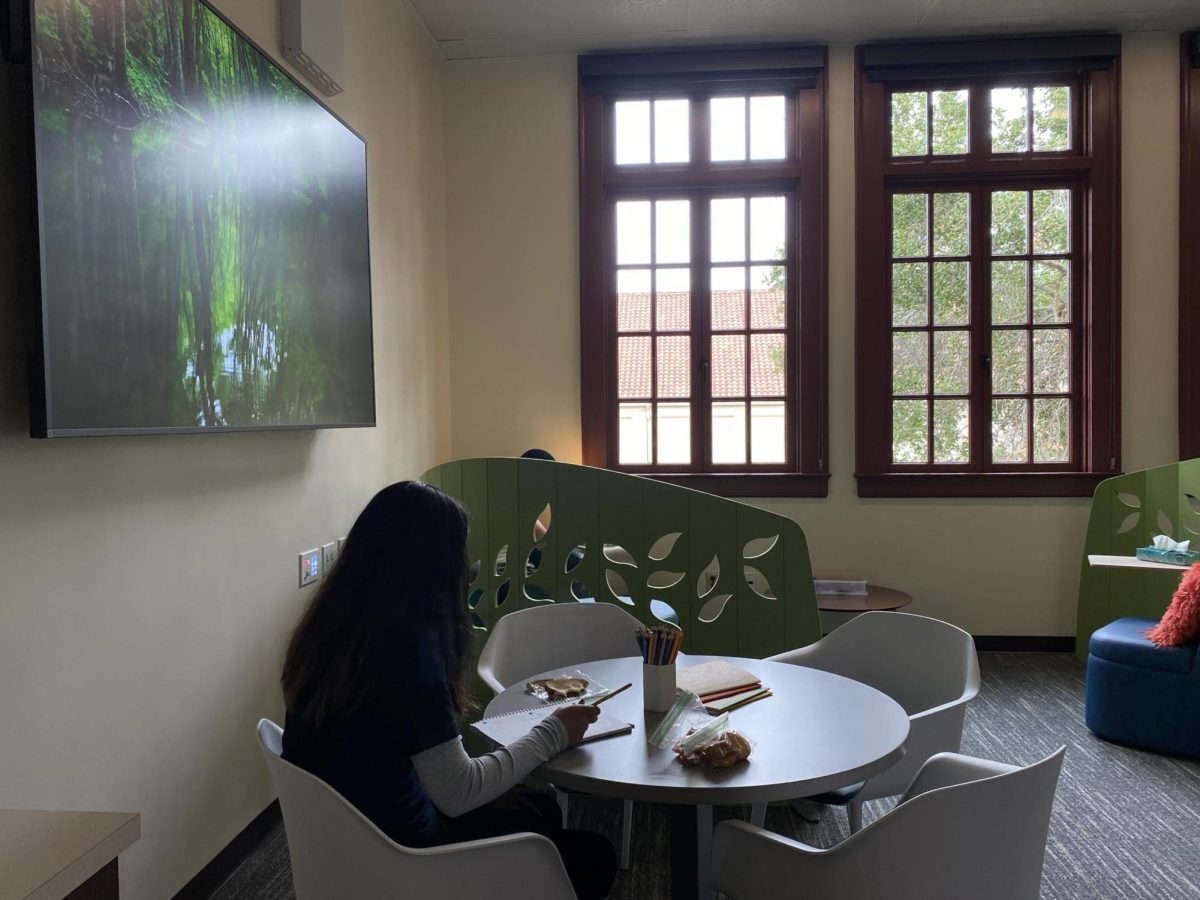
(951, 362)
(728, 298)
(672, 136)
(1010, 431)
(634, 434)
(1051, 361)
(1052, 291)
(1010, 132)
(727, 124)
(633, 299)
(1051, 430)
(910, 225)
(673, 231)
(1051, 221)
(1052, 118)
(1009, 225)
(768, 362)
(768, 228)
(728, 433)
(768, 125)
(768, 296)
(910, 362)
(909, 124)
(674, 423)
(910, 288)
(633, 232)
(633, 367)
(950, 235)
(728, 365)
(633, 131)
(949, 122)
(951, 431)
(728, 229)
(1010, 362)
(1008, 292)
(672, 306)
(910, 431)
(950, 293)
(674, 366)
(768, 432)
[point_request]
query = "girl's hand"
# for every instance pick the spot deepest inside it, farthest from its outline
(576, 718)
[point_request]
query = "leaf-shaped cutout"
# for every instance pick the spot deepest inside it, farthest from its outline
(534, 560)
(541, 524)
(502, 560)
(664, 612)
(502, 593)
(1164, 524)
(708, 578)
(1191, 530)
(713, 607)
(537, 594)
(662, 580)
(473, 571)
(582, 592)
(757, 547)
(758, 583)
(617, 586)
(618, 555)
(477, 623)
(574, 558)
(1129, 523)
(1194, 503)
(662, 548)
(475, 597)
(1133, 501)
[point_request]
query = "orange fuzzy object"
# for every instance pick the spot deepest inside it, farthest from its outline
(1180, 624)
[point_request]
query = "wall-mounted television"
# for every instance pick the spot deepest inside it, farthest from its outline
(203, 230)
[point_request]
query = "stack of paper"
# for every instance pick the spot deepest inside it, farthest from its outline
(721, 686)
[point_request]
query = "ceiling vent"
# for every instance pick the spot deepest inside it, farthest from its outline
(311, 39)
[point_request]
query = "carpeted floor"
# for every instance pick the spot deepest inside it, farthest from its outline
(1126, 823)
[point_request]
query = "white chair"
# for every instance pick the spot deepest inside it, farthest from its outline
(338, 852)
(966, 827)
(927, 666)
(541, 638)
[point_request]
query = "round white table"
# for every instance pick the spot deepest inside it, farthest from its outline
(818, 732)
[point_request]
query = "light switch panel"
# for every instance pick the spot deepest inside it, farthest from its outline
(310, 567)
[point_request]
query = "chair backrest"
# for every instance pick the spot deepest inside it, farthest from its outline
(535, 640)
(737, 578)
(1127, 512)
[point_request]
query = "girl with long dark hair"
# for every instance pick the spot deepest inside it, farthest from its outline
(376, 675)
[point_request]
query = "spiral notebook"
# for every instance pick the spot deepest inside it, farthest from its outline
(508, 727)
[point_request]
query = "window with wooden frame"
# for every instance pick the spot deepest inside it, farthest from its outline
(1189, 251)
(702, 268)
(987, 267)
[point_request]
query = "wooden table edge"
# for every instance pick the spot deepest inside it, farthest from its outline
(75, 873)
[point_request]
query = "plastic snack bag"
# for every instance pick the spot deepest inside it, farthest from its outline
(713, 746)
(685, 715)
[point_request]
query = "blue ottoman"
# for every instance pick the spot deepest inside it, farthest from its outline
(1142, 695)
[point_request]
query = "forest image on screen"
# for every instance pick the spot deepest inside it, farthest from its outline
(204, 228)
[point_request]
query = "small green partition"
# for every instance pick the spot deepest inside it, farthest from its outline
(1127, 511)
(738, 579)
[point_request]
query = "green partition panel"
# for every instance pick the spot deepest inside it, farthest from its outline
(737, 578)
(1127, 512)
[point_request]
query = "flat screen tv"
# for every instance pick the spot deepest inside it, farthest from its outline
(203, 230)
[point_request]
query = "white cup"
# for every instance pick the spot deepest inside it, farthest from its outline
(658, 687)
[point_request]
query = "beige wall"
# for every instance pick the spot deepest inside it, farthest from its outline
(993, 566)
(147, 584)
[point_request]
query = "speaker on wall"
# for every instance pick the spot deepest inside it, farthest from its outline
(311, 39)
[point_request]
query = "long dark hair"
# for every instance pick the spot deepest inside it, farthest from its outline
(402, 575)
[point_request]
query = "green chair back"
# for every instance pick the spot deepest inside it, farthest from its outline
(1127, 511)
(737, 578)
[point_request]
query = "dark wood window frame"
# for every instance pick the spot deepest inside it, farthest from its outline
(799, 73)
(1092, 165)
(1189, 241)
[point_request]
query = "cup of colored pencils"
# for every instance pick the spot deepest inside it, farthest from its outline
(660, 646)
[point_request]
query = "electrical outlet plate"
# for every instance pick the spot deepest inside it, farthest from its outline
(341, 545)
(310, 567)
(329, 554)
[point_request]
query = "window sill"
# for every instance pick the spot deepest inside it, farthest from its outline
(976, 484)
(751, 484)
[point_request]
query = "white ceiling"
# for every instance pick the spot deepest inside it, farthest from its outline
(476, 29)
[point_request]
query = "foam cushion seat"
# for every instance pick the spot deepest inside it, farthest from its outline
(1142, 695)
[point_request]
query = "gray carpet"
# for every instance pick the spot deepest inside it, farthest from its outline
(1126, 823)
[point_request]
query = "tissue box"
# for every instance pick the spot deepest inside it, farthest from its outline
(1171, 557)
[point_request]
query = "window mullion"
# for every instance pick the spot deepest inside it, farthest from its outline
(702, 334)
(981, 337)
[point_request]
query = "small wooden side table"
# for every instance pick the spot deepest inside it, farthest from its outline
(51, 855)
(877, 597)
